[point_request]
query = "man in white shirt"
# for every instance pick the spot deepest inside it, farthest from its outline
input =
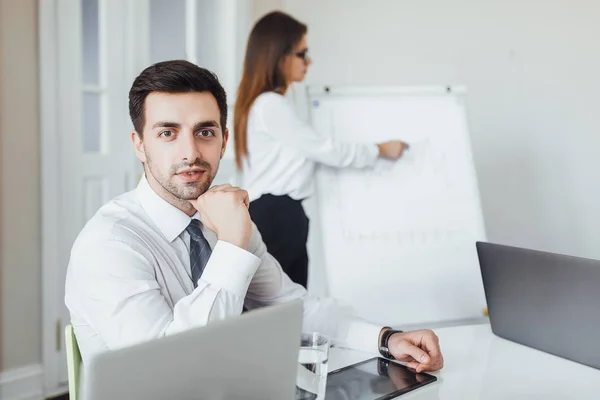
(176, 253)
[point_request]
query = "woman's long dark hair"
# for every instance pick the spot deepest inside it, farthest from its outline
(273, 38)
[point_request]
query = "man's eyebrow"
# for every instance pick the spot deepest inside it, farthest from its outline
(166, 124)
(206, 124)
(176, 125)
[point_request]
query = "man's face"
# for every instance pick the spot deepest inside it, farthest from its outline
(183, 142)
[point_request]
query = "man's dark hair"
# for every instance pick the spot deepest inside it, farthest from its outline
(176, 76)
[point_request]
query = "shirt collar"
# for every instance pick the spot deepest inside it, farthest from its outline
(170, 220)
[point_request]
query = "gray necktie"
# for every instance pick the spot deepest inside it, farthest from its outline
(199, 250)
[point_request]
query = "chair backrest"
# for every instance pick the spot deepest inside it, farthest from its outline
(73, 362)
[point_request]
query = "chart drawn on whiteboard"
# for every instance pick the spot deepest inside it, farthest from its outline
(409, 190)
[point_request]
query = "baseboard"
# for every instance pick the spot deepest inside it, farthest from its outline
(25, 383)
(60, 391)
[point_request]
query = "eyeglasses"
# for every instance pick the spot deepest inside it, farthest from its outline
(303, 55)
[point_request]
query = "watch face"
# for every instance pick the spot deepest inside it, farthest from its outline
(385, 352)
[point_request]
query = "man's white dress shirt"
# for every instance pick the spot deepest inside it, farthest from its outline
(129, 280)
(283, 150)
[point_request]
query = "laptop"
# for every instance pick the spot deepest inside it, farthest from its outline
(252, 356)
(546, 301)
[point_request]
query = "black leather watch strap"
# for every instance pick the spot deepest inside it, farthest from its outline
(384, 349)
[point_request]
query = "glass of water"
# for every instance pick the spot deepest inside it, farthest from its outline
(311, 380)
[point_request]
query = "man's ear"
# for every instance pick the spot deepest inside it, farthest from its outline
(225, 139)
(138, 146)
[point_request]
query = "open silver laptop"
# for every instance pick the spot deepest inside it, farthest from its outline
(253, 356)
(543, 300)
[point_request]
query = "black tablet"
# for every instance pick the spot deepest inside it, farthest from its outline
(373, 379)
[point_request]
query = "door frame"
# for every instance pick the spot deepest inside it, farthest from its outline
(49, 141)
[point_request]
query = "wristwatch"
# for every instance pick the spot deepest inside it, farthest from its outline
(383, 344)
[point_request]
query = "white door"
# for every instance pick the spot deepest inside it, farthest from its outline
(90, 52)
(87, 155)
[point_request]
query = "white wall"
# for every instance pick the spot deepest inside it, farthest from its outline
(531, 69)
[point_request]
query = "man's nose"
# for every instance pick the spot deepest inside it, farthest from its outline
(188, 149)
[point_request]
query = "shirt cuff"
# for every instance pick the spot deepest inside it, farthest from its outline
(230, 268)
(364, 336)
(374, 154)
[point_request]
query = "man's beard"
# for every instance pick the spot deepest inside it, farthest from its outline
(182, 190)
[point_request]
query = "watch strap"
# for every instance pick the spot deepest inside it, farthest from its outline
(384, 349)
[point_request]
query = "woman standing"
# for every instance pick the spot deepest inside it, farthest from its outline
(275, 150)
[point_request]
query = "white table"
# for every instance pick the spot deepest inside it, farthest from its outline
(480, 365)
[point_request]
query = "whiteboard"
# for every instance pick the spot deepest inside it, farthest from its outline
(398, 239)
